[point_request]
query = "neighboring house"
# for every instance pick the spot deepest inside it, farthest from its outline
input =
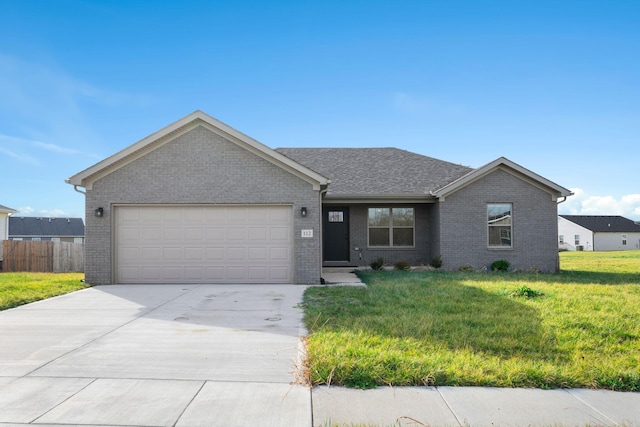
(46, 229)
(5, 213)
(200, 202)
(597, 233)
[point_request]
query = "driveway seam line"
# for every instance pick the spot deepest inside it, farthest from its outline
(189, 404)
(450, 407)
(63, 401)
(591, 406)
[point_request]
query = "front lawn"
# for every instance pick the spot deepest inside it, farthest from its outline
(22, 288)
(578, 328)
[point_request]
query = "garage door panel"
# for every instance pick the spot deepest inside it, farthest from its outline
(279, 273)
(204, 244)
(214, 274)
(237, 233)
(193, 254)
(280, 234)
(215, 234)
(151, 234)
(150, 254)
(193, 234)
(258, 254)
(279, 254)
(214, 254)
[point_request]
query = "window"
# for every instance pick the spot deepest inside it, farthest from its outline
(55, 239)
(624, 240)
(391, 227)
(336, 216)
(577, 239)
(499, 225)
(561, 239)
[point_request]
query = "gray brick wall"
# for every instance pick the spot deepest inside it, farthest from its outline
(419, 255)
(463, 224)
(201, 167)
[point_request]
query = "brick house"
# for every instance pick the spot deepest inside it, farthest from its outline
(200, 202)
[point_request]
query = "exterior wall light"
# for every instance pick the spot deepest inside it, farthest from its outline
(99, 212)
(303, 211)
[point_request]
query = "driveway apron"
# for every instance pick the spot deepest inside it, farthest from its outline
(155, 355)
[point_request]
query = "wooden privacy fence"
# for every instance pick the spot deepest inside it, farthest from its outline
(56, 257)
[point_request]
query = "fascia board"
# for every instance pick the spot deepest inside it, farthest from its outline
(506, 165)
(178, 128)
(359, 199)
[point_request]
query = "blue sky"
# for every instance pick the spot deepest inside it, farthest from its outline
(551, 85)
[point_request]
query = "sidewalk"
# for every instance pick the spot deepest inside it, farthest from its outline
(473, 406)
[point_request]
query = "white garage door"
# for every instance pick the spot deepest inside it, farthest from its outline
(203, 244)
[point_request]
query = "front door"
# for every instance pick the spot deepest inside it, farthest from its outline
(335, 237)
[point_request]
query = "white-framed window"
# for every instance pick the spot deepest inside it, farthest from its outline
(499, 225)
(577, 239)
(391, 227)
(77, 240)
(624, 240)
(55, 239)
(36, 239)
(561, 239)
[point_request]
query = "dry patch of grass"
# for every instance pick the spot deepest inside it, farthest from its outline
(578, 328)
(22, 288)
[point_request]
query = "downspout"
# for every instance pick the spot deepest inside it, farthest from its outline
(75, 187)
(564, 199)
(321, 193)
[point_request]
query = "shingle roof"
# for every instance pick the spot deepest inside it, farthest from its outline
(604, 223)
(45, 227)
(377, 171)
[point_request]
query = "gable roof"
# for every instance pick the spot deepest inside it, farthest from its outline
(197, 118)
(5, 209)
(377, 172)
(45, 227)
(604, 223)
(507, 165)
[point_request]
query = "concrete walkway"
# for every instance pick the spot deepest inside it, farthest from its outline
(218, 355)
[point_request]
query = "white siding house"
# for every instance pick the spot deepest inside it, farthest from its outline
(597, 233)
(4, 224)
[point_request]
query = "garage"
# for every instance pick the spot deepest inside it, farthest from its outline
(203, 244)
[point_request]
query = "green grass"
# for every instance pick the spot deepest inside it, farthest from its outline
(577, 328)
(22, 288)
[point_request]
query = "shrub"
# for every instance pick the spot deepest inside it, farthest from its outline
(377, 264)
(466, 268)
(436, 262)
(401, 265)
(500, 265)
(526, 292)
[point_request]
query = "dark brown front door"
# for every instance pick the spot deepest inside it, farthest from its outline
(335, 239)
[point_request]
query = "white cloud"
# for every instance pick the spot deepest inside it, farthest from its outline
(582, 203)
(49, 213)
(25, 158)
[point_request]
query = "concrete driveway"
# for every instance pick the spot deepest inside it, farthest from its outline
(155, 355)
